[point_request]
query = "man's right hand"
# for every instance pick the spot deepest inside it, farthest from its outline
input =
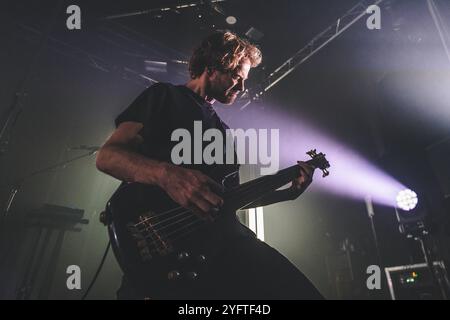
(191, 189)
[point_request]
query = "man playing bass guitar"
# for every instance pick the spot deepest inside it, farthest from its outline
(139, 151)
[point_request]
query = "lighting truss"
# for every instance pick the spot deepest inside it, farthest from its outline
(317, 43)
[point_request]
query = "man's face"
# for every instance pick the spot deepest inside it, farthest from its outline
(225, 86)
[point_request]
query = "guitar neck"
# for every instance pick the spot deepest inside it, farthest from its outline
(250, 191)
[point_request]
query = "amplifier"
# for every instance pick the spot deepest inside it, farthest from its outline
(415, 282)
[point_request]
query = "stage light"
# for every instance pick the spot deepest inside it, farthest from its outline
(411, 214)
(407, 200)
(231, 20)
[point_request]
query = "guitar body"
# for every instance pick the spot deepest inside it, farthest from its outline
(160, 247)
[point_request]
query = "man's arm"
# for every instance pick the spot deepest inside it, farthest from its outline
(191, 189)
(118, 157)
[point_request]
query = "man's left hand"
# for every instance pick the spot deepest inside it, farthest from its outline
(300, 184)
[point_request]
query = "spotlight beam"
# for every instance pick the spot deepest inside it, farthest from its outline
(352, 175)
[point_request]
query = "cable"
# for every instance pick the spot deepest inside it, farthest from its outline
(98, 271)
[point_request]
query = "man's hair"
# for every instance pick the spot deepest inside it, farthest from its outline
(222, 51)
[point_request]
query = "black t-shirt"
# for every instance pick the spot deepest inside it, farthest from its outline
(163, 108)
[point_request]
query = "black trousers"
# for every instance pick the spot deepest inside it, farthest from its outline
(244, 268)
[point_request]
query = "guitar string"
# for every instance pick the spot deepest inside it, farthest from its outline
(146, 222)
(244, 191)
(187, 214)
(249, 186)
(157, 244)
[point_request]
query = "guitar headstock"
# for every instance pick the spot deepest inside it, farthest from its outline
(319, 161)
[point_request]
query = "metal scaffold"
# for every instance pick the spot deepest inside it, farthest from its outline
(317, 43)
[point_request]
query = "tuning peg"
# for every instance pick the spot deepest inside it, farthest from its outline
(312, 153)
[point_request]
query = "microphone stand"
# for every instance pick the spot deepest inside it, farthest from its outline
(17, 185)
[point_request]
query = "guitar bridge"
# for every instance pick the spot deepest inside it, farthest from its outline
(148, 239)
